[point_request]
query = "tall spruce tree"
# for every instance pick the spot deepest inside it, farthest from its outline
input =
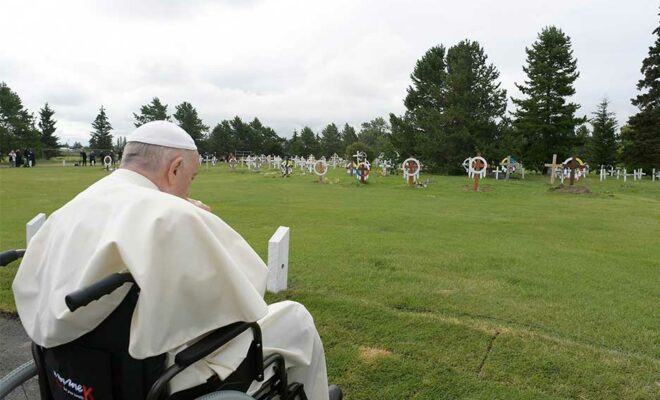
(49, 141)
(419, 129)
(295, 146)
(221, 140)
(603, 143)
(154, 111)
(544, 118)
(101, 139)
(642, 139)
(309, 142)
(348, 137)
(330, 140)
(475, 105)
(189, 121)
(454, 108)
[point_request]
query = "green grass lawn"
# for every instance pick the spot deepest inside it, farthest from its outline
(440, 293)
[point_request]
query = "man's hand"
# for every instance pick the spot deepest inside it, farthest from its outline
(200, 204)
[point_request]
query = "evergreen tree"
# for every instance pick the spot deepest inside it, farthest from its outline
(189, 121)
(544, 119)
(295, 146)
(376, 134)
(348, 136)
(17, 130)
(155, 111)
(642, 139)
(454, 107)
(49, 141)
(241, 132)
(221, 139)
(310, 144)
(330, 140)
(475, 105)
(419, 128)
(101, 139)
(602, 145)
(269, 141)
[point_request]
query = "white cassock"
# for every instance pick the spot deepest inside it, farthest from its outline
(195, 273)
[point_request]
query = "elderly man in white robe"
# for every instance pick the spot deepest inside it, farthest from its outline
(195, 272)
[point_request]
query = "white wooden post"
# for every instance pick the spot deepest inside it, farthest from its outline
(278, 260)
(653, 175)
(33, 226)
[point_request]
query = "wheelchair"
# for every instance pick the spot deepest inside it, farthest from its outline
(97, 366)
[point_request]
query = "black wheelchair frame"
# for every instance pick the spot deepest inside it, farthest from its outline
(252, 368)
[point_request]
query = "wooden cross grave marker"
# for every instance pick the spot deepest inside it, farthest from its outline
(553, 169)
(477, 167)
(573, 165)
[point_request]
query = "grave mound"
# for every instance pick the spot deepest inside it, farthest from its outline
(571, 189)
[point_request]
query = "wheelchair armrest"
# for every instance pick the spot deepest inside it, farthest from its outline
(95, 291)
(214, 341)
(9, 256)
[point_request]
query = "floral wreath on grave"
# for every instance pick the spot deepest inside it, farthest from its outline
(579, 161)
(324, 167)
(359, 173)
(472, 171)
(405, 167)
(107, 162)
(513, 164)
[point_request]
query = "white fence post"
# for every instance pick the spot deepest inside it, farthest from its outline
(33, 226)
(278, 260)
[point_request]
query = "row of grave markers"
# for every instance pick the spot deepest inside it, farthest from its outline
(476, 167)
(637, 174)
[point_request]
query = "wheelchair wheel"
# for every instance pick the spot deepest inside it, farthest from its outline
(20, 383)
(226, 395)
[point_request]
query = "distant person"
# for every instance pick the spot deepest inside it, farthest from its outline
(12, 158)
(84, 158)
(26, 158)
(19, 158)
(92, 158)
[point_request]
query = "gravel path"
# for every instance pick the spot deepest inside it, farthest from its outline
(15, 350)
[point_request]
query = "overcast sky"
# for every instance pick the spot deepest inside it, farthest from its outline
(293, 63)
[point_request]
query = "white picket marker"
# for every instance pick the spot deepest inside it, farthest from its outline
(32, 227)
(278, 260)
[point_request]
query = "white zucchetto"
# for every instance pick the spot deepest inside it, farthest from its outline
(163, 133)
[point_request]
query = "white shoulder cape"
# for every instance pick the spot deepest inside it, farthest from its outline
(194, 271)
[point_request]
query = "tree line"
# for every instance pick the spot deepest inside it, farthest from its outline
(454, 108)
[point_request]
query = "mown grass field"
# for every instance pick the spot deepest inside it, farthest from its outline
(516, 292)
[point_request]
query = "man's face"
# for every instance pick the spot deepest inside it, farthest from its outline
(182, 175)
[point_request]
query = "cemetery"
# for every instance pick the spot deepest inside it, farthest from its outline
(368, 200)
(499, 294)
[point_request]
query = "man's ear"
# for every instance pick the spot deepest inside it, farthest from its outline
(175, 166)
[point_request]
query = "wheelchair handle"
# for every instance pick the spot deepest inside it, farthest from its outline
(9, 256)
(95, 291)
